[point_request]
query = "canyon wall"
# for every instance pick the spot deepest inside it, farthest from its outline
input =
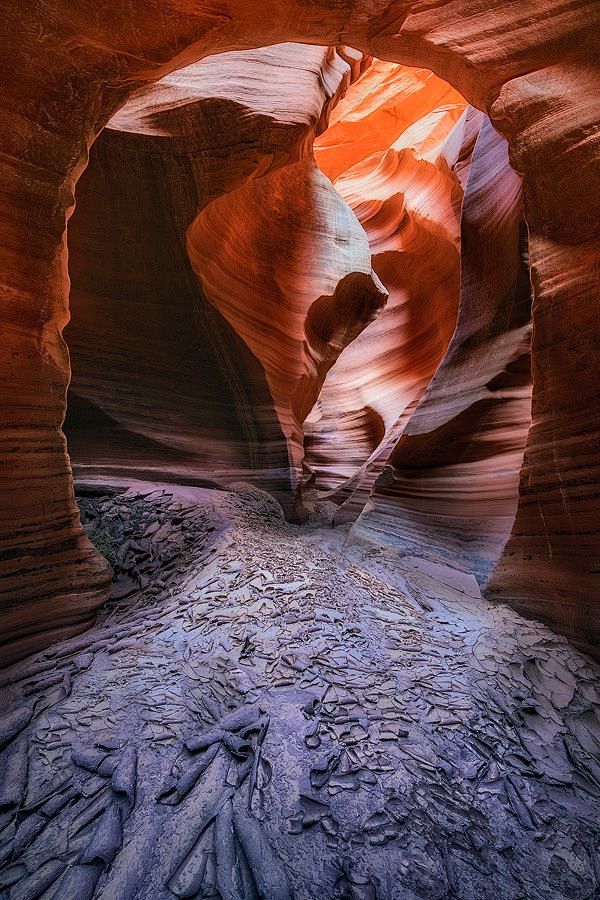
(400, 146)
(442, 209)
(65, 73)
(170, 383)
(197, 220)
(450, 486)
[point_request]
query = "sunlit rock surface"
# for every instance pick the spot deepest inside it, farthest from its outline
(285, 261)
(203, 238)
(450, 485)
(401, 147)
(531, 67)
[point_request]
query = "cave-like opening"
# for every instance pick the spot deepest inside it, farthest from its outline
(265, 708)
(225, 324)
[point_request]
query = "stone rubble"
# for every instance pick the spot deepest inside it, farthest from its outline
(262, 711)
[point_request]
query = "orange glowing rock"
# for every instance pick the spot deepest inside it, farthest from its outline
(530, 66)
(450, 486)
(217, 372)
(407, 197)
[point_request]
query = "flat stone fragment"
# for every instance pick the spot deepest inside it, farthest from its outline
(286, 747)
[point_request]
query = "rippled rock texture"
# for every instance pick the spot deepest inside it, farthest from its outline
(65, 75)
(450, 486)
(208, 293)
(400, 132)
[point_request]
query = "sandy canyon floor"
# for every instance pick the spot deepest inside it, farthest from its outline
(264, 710)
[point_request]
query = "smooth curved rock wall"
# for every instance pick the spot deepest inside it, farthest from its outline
(401, 148)
(450, 486)
(531, 66)
(164, 387)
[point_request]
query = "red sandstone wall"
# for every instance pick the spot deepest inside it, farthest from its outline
(450, 486)
(195, 381)
(530, 65)
(400, 145)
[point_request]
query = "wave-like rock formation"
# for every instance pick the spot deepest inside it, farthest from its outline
(407, 197)
(163, 386)
(167, 383)
(531, 67)
(451, 484)
(297, 302)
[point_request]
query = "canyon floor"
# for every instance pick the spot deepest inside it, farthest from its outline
(266, 710)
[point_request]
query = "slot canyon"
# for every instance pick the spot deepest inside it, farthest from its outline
(299, 456)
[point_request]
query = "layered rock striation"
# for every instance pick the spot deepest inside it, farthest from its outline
(408, 198)
(450, 486)
(531, 67)
(202, 239)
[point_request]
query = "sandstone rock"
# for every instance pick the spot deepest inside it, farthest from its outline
(207, 382)
(408, 199)
(450, 487)
(64, 74)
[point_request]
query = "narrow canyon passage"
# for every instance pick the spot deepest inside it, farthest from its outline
(298, 461)
(261, 712)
